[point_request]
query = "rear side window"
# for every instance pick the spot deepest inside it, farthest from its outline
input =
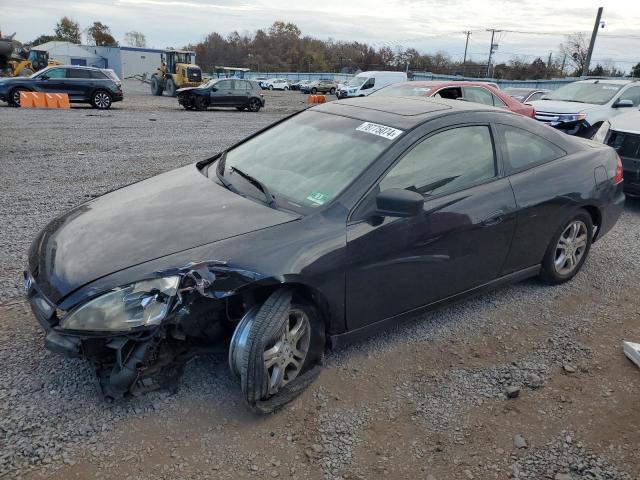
(525, 150)
(478, 95)
(79, 73)
(445, 162)
(97, 75)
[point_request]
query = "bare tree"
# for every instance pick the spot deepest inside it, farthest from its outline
(575, 48)
(135, 39)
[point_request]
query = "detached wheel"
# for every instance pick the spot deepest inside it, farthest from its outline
(156, 87)
(170, 88)
(101, 100)
(568, 249)
(254, 105)
(14, 96)
(276, 351)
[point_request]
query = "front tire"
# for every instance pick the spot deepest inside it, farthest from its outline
(270, 87)
(156, 86)
(332, 91)
(568, 249)
(276, 350)
(170, 88)
(314, 90)
(101, 100)
(200, 103)
(14, 96)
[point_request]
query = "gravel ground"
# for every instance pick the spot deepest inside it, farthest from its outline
(427, 399)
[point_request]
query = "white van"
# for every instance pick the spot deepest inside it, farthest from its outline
(365, 83)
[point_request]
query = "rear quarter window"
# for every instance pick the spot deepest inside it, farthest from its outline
(97, 75)
(524, 150)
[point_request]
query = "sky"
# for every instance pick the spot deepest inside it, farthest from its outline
(427, 25)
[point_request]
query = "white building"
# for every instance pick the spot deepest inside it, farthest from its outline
(71, 54)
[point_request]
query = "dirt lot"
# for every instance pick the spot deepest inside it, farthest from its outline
(426, 400)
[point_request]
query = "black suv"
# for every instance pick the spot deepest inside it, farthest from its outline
(97, 86)
(222, 92)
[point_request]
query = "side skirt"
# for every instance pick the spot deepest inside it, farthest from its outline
(342, 339)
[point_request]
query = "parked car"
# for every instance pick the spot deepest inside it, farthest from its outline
(298, 85)
(97, 86)
(581, 107)
(326, 227)
(478, 92)
(365, 83)
(525, 95)
(276, 84)
(320, 86)
(623, 134)
(222, 92)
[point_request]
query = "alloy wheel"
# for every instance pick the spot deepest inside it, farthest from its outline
(285, 358)
(571, 247)
(102, 100)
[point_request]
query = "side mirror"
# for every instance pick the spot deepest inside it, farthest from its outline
(397, 202)
(622, 104)
(544, 97)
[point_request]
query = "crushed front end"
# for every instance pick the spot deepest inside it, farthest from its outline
(138, 337)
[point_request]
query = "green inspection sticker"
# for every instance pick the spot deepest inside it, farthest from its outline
(318, 197)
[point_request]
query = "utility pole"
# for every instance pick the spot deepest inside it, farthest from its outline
(467, 33)
(585, 70)
(549, 65)
(564, 59)
(493, 47)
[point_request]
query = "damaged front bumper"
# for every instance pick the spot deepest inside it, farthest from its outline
(152, 357)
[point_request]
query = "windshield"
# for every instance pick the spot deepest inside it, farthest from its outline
(596, 93)
(402, 91)
(306, 161)
(355, 81)
(39, 72)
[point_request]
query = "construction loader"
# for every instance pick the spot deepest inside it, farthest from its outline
(17, 60)
(175, 71)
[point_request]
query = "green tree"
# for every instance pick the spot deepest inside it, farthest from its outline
(68, 30)
(42, 39)
(635, 71)
(99, 34)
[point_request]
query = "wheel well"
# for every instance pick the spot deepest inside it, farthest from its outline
(596, 218)
(300, 291)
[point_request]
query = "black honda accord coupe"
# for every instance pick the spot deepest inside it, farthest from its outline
(321, 229)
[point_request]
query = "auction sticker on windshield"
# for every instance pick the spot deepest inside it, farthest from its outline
(318, 197)
(379, 130)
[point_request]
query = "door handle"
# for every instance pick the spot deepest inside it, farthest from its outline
(493, 219)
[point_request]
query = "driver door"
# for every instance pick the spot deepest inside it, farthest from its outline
(55, 81)
(460, 240)
(222, 94)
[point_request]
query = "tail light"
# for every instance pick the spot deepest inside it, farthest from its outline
(619, 172)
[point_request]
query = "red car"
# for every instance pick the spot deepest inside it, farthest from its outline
(477, 92)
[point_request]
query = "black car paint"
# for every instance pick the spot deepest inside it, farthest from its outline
(221, 97)
(80, 90)
(362, 270)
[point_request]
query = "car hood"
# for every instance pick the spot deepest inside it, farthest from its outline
(187, 89)
(558, 106)
(628, 122)
(162, 215)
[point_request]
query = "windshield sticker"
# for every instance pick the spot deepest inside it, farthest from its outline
(379, 130)
(318, 197)
(421, 89)
(606, 87)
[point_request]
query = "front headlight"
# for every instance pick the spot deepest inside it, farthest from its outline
(572, 118)
(140, 304)
(602, 132)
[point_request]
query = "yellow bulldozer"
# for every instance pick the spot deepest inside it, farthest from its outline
(175, 71)
(17, 60)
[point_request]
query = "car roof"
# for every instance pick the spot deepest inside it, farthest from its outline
(442, 83)
(399, 112)
(78, 67)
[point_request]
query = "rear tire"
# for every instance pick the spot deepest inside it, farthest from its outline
(101, 100)
(332, 91)
(156, 86)
(568, 249)
(14, 96)
(276, 350)
(254, 105)
(170, 88)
